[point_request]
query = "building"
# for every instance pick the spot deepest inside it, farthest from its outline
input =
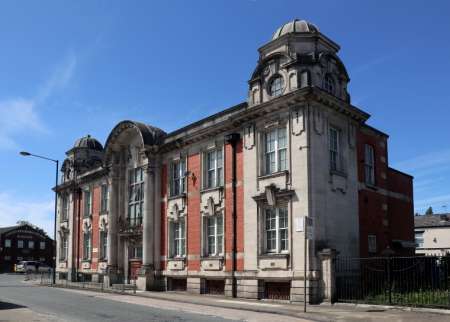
(432, 233)
(23, 242)
(222, 205)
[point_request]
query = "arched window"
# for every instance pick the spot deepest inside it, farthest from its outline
(277, 85)
(328, 84)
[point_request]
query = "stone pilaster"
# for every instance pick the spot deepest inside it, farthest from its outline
(146, 277)
(112, 238)
(327, 257)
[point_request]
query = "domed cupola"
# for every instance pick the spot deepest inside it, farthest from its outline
(295, 26)
(297, 56)
(86, 154)
(88, 142)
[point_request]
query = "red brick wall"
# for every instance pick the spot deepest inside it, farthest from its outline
(376, 142)
(194, 229)
(388, 218)
(371, 215)
(229, 205)
(400, 182)
(78, 229)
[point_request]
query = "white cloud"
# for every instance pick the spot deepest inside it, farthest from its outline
(425, 161)
(20, 115)
(13, 209)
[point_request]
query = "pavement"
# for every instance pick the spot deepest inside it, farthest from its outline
(62, 304)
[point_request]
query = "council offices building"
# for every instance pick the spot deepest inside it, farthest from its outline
(220, 206)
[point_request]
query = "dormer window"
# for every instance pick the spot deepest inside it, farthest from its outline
(277, 86)
(328, 84)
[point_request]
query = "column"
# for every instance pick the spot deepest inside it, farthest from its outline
(146, 274)
(112, 226)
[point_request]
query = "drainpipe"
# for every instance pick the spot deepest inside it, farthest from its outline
(233, 139)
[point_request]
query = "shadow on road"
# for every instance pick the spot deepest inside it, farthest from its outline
(10, 306)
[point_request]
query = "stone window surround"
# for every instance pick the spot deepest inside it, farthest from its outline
(281, 197)
(104, 200)
(263, 129)
(369, 165)
(341, 149)
(182, 176)
(263, 252)
(138, 220)
(87, 205)
(204, 240)
(372, 243)
(65, 204)
(171, 238)
(204, 168)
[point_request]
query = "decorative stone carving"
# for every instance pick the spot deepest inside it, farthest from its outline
(211, 202)
(351, 135)
(176, 208)
(270, 195)
(103, 224)
(87, 225)
(249, 136)
(319, 122)
(298, 120)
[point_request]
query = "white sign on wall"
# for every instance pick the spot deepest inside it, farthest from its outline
(300, 224)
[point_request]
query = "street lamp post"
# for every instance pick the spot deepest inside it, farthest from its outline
(26, 154)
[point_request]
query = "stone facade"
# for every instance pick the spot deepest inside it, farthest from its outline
(222, 206)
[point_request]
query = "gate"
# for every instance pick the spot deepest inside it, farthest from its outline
(409, 281)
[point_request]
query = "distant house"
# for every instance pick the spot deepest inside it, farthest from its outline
(23, 242)
(432, 234)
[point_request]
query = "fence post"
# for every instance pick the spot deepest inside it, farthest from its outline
(389, 273)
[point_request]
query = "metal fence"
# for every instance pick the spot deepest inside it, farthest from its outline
(408, 281)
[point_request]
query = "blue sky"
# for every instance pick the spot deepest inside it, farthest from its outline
(69, 68)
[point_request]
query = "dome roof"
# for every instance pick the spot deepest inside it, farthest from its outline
(88, 142)
(295, 26)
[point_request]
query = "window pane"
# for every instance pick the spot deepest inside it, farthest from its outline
(283, 228)
(282, 138)
(270, 224)
(282, 160)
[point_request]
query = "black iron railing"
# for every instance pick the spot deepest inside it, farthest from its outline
(409, 281)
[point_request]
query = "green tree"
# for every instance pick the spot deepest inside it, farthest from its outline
(429, 211)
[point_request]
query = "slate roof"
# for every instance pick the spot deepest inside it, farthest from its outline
(6, 229)
(436, 220)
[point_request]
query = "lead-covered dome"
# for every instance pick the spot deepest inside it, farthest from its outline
(296, 26)
(88, 142)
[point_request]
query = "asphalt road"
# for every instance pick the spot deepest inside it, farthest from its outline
(53, 304)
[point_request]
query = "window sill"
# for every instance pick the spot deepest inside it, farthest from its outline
(87, 217)
(102, 259)
(211, 189)
(338, 173)
(86, 260)
(103, 212)
(63, 221)
(274, 255)
(181, 258)
(371, 186)
(181, 195)
(207, 257)
(273, 175)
